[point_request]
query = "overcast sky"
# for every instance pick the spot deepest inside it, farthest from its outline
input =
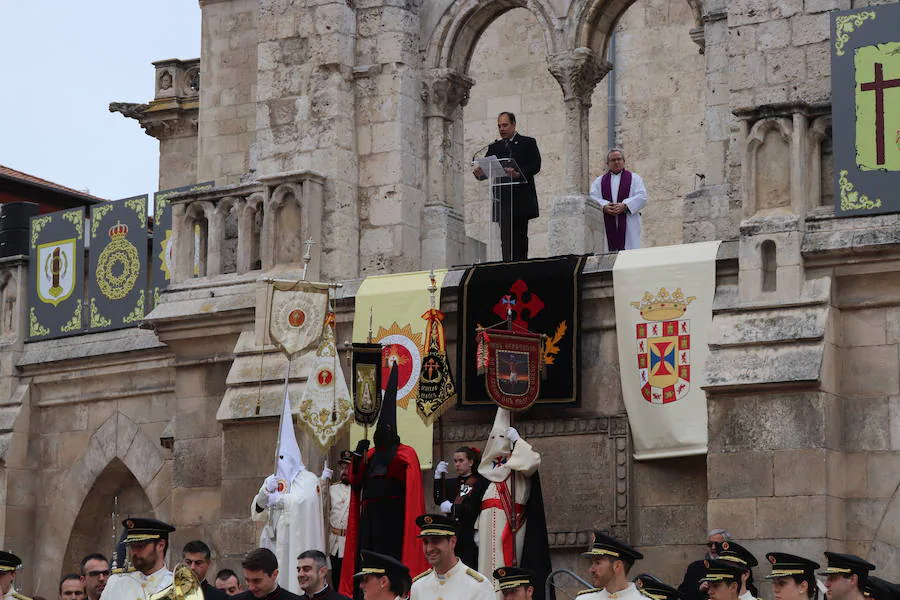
(62, 63)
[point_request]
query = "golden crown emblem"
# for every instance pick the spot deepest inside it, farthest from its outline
(118, 230)
(664, 306)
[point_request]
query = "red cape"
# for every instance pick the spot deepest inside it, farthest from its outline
(413, 556)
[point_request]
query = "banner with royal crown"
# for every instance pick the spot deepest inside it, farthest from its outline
(663, 299)
(56, 294)
(163, 263)
(117, 274)
(865, 109)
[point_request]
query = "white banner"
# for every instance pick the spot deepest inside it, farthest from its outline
(664, 300)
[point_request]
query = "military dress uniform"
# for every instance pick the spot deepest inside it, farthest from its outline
(460, 582)
(610, 547)
(135, 585)
(734, 552)
(11, 562)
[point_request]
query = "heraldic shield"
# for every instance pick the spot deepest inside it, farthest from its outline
(297, 314)
(513, 364)
(56, 264)
(664, 347)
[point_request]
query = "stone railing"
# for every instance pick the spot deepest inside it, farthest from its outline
(237, 229)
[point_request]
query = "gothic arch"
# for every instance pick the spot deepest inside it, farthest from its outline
(458, 30)
(754, 141)
(595, 20)
(118, 438)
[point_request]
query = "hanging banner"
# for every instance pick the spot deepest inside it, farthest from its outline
(366, 383)
(396, 304)
(540, 295)
(865, 109)
(163, 262)
(663, 299)
(57, 270)
(325, 407)
(117, 272)
(512, 363)
(297, 314)
(437, 392)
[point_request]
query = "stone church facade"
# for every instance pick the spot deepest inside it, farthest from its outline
(352, 122)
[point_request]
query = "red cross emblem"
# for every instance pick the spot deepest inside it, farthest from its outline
(521, 302)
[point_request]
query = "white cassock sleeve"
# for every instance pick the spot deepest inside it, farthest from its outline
(637, 198)
(595, 192)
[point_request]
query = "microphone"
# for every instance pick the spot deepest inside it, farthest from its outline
(480, 150)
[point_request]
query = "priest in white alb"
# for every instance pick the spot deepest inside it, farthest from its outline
(290, 503)
(621, 195)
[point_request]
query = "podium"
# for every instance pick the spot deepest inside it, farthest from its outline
(494, 169)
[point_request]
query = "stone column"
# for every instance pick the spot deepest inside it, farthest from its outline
(443, 222)
(575, 222)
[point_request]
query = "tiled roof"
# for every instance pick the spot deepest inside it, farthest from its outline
(9, 173)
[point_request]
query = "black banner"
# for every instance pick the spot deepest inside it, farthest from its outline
(366, 383)
(56, 270)
(163, 263)
(542, 296)
(118, 264)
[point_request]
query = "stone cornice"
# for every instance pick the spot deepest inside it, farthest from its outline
(610, 426)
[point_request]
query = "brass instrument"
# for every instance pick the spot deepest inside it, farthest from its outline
(184, 586)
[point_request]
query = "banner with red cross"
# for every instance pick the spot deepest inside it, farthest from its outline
(539, 296)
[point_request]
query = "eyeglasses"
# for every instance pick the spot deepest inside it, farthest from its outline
(98, 573)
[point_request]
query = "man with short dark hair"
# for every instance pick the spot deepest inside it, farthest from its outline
(94, 575)
(70, 587)
(261, 576)
(197, 556)
(611, 560)
(515, 197)
(448, 578)
(312, 574)
(147, 541)
(846, 576)
(228, 582)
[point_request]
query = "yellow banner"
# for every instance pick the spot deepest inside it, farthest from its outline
(396, 304)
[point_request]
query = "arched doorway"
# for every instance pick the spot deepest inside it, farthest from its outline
(94, 527)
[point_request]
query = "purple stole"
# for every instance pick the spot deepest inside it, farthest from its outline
(615, 224)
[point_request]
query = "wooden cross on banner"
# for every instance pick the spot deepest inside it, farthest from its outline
(879, 85)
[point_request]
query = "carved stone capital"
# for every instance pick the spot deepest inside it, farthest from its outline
(578, 72)
(445, 91)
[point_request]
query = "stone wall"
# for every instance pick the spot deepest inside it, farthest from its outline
(228, 65)
(659, 114)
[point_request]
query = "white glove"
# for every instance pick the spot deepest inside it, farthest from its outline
(327, 473)
(270, 484)
(440, 469)
(274, 499)
(512, 435)
(446, 507)
(475, 537)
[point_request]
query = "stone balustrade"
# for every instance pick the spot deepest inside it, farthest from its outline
(248, 227)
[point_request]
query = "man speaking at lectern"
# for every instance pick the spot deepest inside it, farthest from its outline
(518, 203)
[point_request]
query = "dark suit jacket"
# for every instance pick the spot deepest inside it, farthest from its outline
(329, 593)
(212, 593)
(279, 593)
(522, 196)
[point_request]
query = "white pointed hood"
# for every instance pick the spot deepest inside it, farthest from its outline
(497, 450)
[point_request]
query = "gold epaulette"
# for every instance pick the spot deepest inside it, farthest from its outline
(588, 591)
(421, 575)
(19, 596)
(475, 575)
